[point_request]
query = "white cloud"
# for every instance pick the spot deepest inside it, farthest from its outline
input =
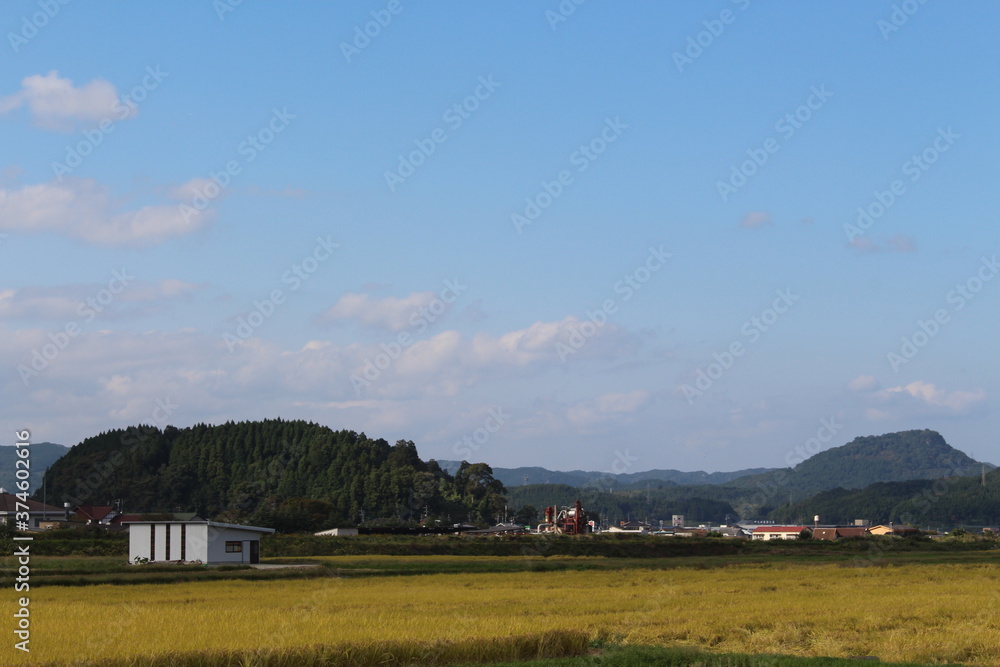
(37, 303)
(107, 378)
(84, 209)
(448, 362)
(863, 383)
(69, 302)
(928, 397)
(55, 104)
(391, 313)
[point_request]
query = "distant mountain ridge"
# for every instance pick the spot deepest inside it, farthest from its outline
(43, 455)
(891, 457)
(581, 478)
(888, 467)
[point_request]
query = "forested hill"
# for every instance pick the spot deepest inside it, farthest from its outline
(941, 502)
(892, 457)
(294, 473)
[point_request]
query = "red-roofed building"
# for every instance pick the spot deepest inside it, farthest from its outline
(778, 532)
(95, 514)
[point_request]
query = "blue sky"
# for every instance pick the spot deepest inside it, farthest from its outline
(697, 169)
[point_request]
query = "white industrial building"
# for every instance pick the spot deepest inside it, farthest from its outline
(202, 541)
(338, 532)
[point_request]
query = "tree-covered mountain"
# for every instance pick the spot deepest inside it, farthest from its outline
(43, 455)
(287, 474)
(535, 475)
(925, 503)
(892, 457)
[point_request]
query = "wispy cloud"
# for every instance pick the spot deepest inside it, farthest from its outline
(391, 313)
(925, 396)
(863, 383)
(86, 210)
(63, 302)
(897, 243)
(54, 103)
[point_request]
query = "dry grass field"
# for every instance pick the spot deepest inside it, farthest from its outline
(918, 613)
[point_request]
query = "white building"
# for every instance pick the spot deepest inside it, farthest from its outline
(338, 532)
(778, 532)
(207, 542)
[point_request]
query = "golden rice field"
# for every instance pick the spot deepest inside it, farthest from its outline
(917, 613)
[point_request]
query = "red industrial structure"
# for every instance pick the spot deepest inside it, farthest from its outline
(567, 521)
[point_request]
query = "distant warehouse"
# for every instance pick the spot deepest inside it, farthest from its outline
(202, 541)
(779, 532)
(339, 532)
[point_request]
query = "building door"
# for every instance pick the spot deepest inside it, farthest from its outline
(254, 552)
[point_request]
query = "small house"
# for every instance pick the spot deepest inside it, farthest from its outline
(208, 542)
(778, 532)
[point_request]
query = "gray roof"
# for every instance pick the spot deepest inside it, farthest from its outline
(214, 524)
